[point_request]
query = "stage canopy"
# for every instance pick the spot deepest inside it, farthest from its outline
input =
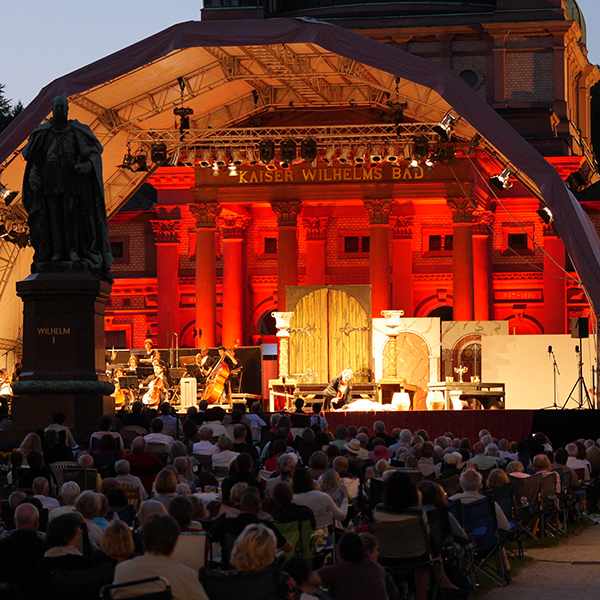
(231, 72)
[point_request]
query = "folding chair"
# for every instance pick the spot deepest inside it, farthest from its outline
(71, 584)
(451, 484)
(550, 505)
(480, 524)
(205, 462)
(299, 534)
(225, 585)
(132, 493)
(130, 432)
(504, 499)
(404, 548)
(57, 469)
(191, 549)
(526, 494)
(221, 472)
(86, 479)
(152, 588)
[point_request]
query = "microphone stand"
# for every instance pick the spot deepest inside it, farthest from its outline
(556, 372)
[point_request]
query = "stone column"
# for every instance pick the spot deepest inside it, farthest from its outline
(402, 265)
(379, 255)
(287, 247)
(555, 285)
(316, 233)
(234, 282)
(166, 238)
(206, 272)
(482, 267)
(462, 258)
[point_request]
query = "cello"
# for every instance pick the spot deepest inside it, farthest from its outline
(213, 390)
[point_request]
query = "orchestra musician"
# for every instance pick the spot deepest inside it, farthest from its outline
(339, 390)
(123, 397)
(151, 352)
(204, 361)
(158, 384)
(228, 357)
(133, 364)
(5, 389)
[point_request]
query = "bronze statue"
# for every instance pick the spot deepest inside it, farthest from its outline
(63, 193)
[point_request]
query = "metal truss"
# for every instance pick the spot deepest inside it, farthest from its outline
(9, 253)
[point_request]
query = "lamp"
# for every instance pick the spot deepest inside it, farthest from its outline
(344, 156)
(158, 153)
(266, 151)
(545, 214)
(184, 113)
(359, 156)
(473, 144)
(287, 153)
(376, 153)
(251, 155)
(205, 158)
(391, 154)
(232, 169)
(141, 160)
(420, 149)
(191, 157)
(175, 157)
(435, 401)
(329, 154)
(128, 159)
(444, 128)
(401, 400)
(502, 181)
(236, 158)
(221, 158)
(7, 194)
(308, 150)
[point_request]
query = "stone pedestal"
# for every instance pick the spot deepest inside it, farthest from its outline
(63, 351)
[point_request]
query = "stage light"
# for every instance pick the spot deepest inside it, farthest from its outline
(184, 113)
(308, 150)
(266, 151)
(191, 157)
(429, 163)
(158, 153)
(22, 240)
(407, 152)
(444, 128)
(236, 158)
(391, 154)
(359, 156)
(344, 156)
(376, 155)
(420, 148)
(232, 169)
(215, 170)
(251, 155)
(287, 153)
(329, 154)
(128, 159)
(502, 181)
(205, 158)
(271, 166)
(221, 158)
(175, 157)
(141, 160)
(545, 214)
(473, 144)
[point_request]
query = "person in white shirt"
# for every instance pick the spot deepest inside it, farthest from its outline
(205, 447)
(157, 437)
(426, 464)
(225, 456)
(578, 464)
(41, 491)
(123, 471)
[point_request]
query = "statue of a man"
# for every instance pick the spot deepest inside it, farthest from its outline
(63, 193)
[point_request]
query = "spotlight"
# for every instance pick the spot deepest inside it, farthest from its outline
(287, 153)
(308, 150)
(236, 158)
(376, 155)
(359, 156)
(414, 162)
(128, 159)
(22, 240)
(344, 156)
(407, 152)
(329, 154)
(420, 148)
(232, 168)
(545, 214)
(266, 151)
(221, 158)
(175, 157)
(3, 232)
(271, 166)
(184, 113)
(502, 181)
(158, 153)
(191, 157)
(444, 128)
(215, 170)
(141, 160)
(251, 155)
(473, 144)
(205, 158)
(391, 154)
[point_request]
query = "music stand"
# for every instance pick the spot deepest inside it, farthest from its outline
(194, 371)
(128, 382)
(145, 371)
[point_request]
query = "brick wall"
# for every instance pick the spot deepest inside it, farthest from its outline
(530, 76)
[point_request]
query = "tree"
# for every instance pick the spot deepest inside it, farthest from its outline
(7, 112)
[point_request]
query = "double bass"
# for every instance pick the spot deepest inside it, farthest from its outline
(213, 390)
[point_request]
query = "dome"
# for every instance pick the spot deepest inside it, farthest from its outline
(574, 13)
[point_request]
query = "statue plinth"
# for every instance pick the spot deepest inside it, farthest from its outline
(63, 351)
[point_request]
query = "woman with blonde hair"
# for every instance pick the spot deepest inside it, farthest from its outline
(254, 549)
(333, 487)
(117, 542)
(165, 486)
(31, 443)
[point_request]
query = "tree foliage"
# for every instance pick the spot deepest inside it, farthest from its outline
(7, 112)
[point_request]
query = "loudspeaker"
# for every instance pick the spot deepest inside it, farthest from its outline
(580, 327)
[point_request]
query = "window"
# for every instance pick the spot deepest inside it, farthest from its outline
(517, 241)
(355, 243)
(117, 249)
(270, 245)
(119, 246)
(438, 244)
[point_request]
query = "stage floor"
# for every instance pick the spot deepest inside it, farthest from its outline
(561, 426)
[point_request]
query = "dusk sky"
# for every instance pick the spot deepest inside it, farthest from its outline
(42, 41)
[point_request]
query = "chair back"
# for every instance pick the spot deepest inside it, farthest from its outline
(224, 585)
(440, 530)
(205, 462)
(455, 509)
(57, 469)
(86, 479)
(450, 484)
(152, 588)
(157, 448)
(221, 472)
(70, 584)
(124, 513)
(504, 498)
(132, 493)
(548, 493)
(191, 549)
(404, 537)
(299, 534)
(229, 430)
(479, 519)
(375, 492)
(352, 486)
(413, 474)
(526, 490)
(130, 432)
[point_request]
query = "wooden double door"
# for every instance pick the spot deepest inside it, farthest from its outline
(330, 331)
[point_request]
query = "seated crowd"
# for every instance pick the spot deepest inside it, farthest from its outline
(265, 492)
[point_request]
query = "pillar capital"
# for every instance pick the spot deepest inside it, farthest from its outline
(401, 227)
(316, 227)
(205, 213)
(166, 231)
(549, 231)
(483, 222)
(378, 210)
(232, 226)
(462, 209)
(287, 212)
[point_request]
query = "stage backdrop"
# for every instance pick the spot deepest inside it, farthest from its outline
(523, 363)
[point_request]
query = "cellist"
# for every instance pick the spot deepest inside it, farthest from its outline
(228, 357)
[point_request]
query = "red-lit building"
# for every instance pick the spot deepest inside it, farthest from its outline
(211, 259)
